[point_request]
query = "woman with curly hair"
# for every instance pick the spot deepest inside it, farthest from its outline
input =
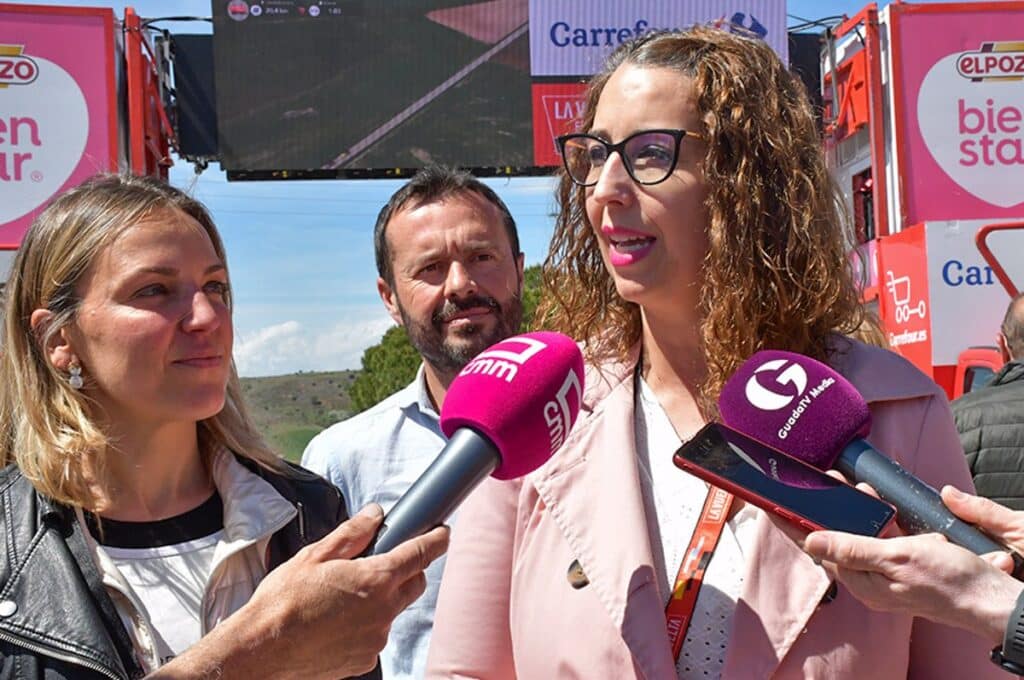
(698, 225)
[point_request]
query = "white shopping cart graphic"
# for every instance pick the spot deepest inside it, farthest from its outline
(900, 290)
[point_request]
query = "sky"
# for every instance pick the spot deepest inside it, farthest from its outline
(300, 253)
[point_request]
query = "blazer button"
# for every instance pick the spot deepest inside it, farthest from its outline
(8, 607)
(830, 594)
(577, 577)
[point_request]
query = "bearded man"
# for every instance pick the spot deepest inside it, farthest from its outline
(449, 271)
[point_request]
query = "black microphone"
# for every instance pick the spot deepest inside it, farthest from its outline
(505, 414)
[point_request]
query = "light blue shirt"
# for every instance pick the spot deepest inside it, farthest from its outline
(375, 457)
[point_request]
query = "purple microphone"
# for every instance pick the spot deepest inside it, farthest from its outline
(802, 407)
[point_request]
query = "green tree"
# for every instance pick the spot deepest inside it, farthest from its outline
(391, 364)
(531, 294)
(388, 366)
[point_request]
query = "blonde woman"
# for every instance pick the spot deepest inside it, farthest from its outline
(141, 510)
(698, 225)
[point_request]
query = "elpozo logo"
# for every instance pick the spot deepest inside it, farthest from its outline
(767, 400)
(993, 61)
(44, 129)
(15, 67)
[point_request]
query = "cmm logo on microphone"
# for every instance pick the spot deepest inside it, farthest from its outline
(769, 400)
(558, 413)
(504, 363)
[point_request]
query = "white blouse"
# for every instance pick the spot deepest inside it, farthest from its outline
(673, 500)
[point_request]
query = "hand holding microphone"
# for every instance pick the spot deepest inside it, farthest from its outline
(505, 414)
(824, 424)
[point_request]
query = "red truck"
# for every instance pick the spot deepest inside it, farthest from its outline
(924, 123)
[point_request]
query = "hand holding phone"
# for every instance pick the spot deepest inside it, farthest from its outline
(779, 484)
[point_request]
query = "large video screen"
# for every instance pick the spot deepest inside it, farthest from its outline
(350, 88)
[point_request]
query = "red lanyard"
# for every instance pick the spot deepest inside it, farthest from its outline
(679, 609)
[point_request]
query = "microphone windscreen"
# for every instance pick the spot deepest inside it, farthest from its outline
(523, 394)
(796, 404)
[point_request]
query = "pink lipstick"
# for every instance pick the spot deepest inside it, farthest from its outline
(627, 246)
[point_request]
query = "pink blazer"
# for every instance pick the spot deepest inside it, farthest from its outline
(507, 610)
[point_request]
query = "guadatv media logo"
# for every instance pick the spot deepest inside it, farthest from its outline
(44, 125)
(792, 391)
(786, 373)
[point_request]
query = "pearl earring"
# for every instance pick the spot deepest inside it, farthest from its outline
(75, 377)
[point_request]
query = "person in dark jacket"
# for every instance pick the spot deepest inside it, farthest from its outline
(141, 514)
(991, 420)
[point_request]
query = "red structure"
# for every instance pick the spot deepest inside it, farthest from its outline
(923, 124)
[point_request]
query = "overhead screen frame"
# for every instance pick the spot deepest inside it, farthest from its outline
(382, 173)
(551, 80)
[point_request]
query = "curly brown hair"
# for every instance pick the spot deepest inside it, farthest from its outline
(776, 274)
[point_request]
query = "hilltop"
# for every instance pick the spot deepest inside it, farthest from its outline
(290, 409)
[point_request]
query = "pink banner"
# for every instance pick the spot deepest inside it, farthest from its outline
(57, 112)
(959, 74)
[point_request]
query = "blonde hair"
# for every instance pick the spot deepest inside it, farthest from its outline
(45, 426)
(776, 273)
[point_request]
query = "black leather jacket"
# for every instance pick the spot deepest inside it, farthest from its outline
(56, 619)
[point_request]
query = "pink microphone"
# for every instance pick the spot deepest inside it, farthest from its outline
(806, 409)
(505, 414)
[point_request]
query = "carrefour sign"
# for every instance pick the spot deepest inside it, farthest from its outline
(573, 37)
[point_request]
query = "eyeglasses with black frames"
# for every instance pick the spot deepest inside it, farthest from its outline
(650, 156)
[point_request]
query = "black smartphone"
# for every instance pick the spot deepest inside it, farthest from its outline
(777, 483)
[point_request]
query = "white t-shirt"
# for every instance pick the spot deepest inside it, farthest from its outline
(169, 581)
(167, 564)
(673, 500)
